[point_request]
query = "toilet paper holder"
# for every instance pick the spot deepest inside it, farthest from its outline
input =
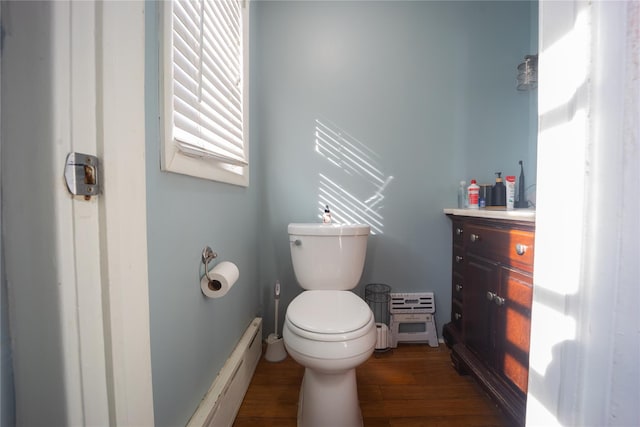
(208, 255)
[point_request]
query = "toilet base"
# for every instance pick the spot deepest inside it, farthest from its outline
(329, 400)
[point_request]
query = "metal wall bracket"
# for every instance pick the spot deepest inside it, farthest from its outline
(82, 175)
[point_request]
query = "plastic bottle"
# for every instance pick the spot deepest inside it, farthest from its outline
(326, 216)
(474, 194)
(462, 195)
(499, 192)
(511, 191)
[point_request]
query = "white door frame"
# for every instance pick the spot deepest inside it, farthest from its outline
(123, 233)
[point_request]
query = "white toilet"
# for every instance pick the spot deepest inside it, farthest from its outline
(328, 329)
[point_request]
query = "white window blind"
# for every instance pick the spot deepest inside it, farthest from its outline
(207, 79)
(204, 81)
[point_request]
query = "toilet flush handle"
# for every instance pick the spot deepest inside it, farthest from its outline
(296, 242)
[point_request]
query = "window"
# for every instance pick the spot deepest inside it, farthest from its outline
(205, 97)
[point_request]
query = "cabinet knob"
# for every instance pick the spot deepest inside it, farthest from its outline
(521, 249)
(459, 259)
(474, 238)
(491, 296)
(459, 231)
(458, 287)
(498, 300)
(457, 316)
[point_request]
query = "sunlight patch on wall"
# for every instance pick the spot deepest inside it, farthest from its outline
(565, 66)
(346, 208)
(558, 328)
(544, 416)
(562, 147)
(353, 183)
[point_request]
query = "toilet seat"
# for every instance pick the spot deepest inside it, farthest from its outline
(329, 316)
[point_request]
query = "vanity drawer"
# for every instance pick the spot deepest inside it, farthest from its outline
(457, 285)
(458, 260)
(456, 316)
(458, 233)
(514, 247)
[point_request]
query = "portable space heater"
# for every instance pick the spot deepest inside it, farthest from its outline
(412, 318)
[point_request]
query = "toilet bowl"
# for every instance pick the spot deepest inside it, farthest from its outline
(328, 329)
(330, 343)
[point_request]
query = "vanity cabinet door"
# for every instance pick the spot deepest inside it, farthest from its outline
(481, 281)
(513, 326)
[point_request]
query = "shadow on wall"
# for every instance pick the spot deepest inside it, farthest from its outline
(353, 184)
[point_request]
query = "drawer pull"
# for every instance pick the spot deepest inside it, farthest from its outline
(521, 249)
(474, 238)
(459, 259)
(498, 300)
(459, 231)
(457, 316)
(491, 296)
(458, 287)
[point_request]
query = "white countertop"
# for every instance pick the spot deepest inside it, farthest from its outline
(495, 213)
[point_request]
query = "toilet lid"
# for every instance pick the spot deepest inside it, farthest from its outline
(320, 229)
(329, 312)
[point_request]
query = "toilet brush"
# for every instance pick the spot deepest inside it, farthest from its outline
(275, 345)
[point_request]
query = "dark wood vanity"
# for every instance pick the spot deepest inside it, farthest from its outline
(492, 289)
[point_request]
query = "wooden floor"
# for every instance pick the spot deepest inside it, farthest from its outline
(412, 385)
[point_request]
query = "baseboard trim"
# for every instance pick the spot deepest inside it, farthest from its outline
(220, 405)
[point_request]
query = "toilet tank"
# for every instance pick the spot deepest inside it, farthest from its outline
(328, 256)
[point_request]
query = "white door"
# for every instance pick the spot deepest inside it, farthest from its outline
(73, 81)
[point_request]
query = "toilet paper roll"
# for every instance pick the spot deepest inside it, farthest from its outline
(223, 276)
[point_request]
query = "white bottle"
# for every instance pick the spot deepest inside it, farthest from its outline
(326, 216)
(473, 192)
(511, 191)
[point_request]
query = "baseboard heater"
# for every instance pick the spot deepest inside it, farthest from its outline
(220, 405)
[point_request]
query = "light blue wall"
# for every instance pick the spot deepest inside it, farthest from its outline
(497, 123)
(426, 91)
(192, 336)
